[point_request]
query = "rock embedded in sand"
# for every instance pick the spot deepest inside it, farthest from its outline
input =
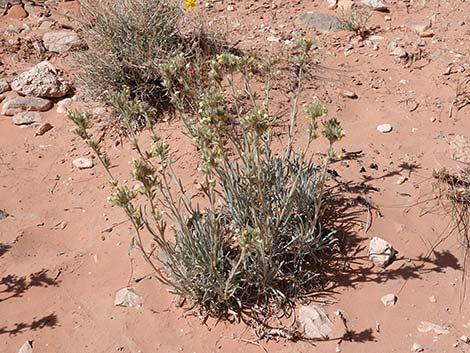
(3, 214)
(17, 12)
(384, 128)
(20, 104)
(42, 80)
(416, 348)
(332, 4)
(389, 299)
(26, 348)
(127, 297)
(381, 252)
(61, 41)
(83, 163)
(376, 5)
(321, 21)
(315, 322)
(465, 339)
(63, 105)
(26, 118)
(426, 326)
(43, 129)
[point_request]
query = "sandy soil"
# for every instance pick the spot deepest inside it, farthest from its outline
(64, 249)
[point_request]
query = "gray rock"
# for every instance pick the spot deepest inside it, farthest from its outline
(61, 41)
(321, 21)
(384, 128)
(12, 29)
(392, 45)
(420, 42)
(376, 5)
(4, 86)
(416, 348)
(42, 80)
(3, 214)
(83, 163)
(381, 253)
(315, 322)
(26, 118)
(20, 104)
(389, 299)
(127, 297)
(26, 348)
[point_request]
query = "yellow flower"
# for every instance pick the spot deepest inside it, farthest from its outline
(190, 4)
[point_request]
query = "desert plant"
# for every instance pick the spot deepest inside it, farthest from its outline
(128, 41)
(355, 18)
(259, 243)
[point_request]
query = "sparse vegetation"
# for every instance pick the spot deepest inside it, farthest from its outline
(129, 40)
(355, 19)
(259, 243)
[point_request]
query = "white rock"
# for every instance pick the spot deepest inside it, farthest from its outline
(61, 41)
(26, 118)
(389, 299)
(399, 52)
(26, 348)
(381, 253)
(42, 80)
(332, 4)
(416, 348)
(426, 326)
(384, 128)
(376, 5)
(127, 297)
(465, 339)
(83, 163)
(315, 322)
(432, 299)
(4, 86)
(63, 105)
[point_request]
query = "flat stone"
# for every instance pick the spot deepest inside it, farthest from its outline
(20, 104)
(389, 299)
(384, 128)
(381, 252)
(416, 348)
(315, 322)
(83, 163)
(426, 326)
(61, 41)
(16, 12)
(320, 21)
(4, 87)
(348, 94)
(42, 80)
(26, 118)
(26, 348)
(127, 297)
(376, 5)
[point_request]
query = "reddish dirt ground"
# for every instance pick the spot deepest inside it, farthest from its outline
(61, 265)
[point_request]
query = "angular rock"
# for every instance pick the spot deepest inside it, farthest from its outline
(3, 214)
(127, 297)
(61, 41)
(381, 253)
(465, 339)
(20, 104)
(426, 326)
(389, 299)
(26, 118)
(384, 128)
(376, 5)
(399, 52)
(42, 80)
(416, 348)
(321, 21)
(26, 348)
(17, 12)
(348, 94)
(392, 45)
(4, 86)
(315, 322)
(83, 163)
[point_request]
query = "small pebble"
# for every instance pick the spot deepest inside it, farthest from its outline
(384, 128)
(416, 348)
